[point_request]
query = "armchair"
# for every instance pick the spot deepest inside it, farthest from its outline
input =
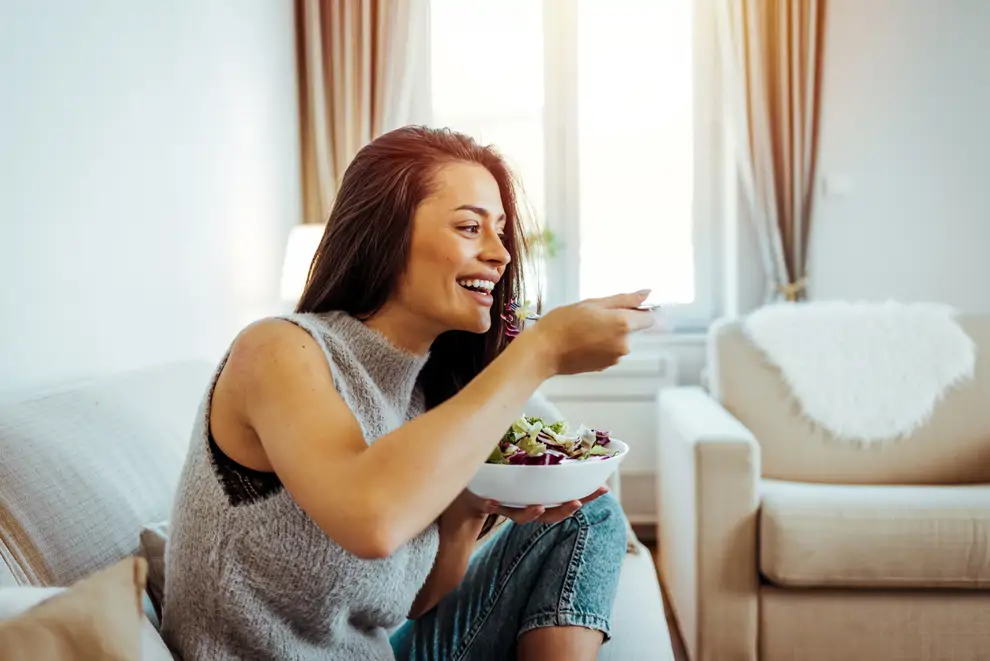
(779, 542)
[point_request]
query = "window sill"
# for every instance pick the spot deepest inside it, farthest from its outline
(685, 348)
(680, 336)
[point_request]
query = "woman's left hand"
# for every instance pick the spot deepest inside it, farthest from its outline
(529, 514)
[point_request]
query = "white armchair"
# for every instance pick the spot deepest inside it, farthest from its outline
(708, 498)
(779, 542)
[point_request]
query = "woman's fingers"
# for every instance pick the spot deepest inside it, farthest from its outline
(532, 513)
(560, 513)
(600, 492)
(523, 515)
(538, 513)
(568, 509)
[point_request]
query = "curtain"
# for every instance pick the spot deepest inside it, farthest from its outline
(772, 64)
(363, 70)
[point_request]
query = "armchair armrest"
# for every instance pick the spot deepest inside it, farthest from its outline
(708, 495)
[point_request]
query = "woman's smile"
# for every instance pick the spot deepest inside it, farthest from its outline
(479, 289)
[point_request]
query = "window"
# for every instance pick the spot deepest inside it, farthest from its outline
(595, 103)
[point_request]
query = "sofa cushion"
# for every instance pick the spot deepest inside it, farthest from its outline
(154, 536)
(83, 468)
(97, 618)
(873, 625)
(828, 535)
(17, 600)
(639, 625)
(952, 447)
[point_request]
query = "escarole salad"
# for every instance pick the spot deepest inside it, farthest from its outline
(530, 441)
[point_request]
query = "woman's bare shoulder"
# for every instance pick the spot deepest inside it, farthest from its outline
(273, 351)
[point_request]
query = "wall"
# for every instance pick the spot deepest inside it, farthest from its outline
(148, 179)
(905, 145)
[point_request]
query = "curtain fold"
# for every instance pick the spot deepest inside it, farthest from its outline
(363, 70)
(772, 54)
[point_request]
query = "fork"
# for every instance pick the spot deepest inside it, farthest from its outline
(513, 307)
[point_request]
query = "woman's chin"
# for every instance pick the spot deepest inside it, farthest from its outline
(480, 328)
(472, 323)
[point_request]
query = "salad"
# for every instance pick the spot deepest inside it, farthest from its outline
(532, 442)
(515, 318)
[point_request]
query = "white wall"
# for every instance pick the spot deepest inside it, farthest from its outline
(906, 125)
(148, 179)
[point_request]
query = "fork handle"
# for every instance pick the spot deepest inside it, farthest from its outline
(641, 308)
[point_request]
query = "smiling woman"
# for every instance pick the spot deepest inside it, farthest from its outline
(467, 228)
(334, 445)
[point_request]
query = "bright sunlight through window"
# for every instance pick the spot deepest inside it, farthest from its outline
(624, 220)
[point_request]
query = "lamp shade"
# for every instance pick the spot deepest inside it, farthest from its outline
(299, 251)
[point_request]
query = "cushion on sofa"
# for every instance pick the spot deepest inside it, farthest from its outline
(85, 467)
(97, 618)
(828, 535)
(153, 539)
(639, 625)
(792, 447)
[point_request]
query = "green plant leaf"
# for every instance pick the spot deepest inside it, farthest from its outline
(544, 243)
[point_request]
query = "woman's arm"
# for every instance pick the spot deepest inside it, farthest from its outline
(371, 499)
(459, 527)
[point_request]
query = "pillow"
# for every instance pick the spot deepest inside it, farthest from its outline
(99, 617)
(17, 599)
(153, 539)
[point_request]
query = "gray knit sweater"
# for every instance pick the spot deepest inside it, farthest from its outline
(250, 576)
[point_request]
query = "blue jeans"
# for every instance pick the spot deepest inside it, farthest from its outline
(525, 577)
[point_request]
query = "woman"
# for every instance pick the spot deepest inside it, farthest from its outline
(323, 500)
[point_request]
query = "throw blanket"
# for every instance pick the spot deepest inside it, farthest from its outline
(866, 372)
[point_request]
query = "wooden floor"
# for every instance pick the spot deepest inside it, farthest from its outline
(680, 654)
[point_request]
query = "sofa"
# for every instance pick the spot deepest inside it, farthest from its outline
(780, 542)
(84, 466)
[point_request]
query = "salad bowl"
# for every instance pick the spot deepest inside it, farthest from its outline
(540, 464)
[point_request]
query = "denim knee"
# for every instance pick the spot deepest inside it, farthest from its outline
(605, 513)
(579, 575)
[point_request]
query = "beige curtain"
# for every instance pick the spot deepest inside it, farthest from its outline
(772, 67)
(363, 70)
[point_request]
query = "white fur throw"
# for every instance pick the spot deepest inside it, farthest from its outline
(866, 372)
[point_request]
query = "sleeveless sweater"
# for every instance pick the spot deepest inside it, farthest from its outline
(249, 575)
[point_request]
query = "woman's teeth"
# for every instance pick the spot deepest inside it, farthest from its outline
(485, 286)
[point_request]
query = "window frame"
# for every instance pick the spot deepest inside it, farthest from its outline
(561, 160)
(561, 213)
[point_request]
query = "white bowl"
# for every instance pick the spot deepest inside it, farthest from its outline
(518, 486)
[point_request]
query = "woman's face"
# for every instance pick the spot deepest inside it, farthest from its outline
(456, 254)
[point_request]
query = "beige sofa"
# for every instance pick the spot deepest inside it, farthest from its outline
(83, 467)
(779, 543)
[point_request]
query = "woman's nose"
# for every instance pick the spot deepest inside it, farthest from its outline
(494, 251)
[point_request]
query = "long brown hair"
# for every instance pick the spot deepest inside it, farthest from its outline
(365, 247)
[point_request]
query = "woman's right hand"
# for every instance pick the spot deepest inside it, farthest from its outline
(592, 335)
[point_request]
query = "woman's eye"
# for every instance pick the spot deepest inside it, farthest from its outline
(473, 229)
